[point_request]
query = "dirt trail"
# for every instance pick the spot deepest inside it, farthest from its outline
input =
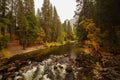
(14, 48)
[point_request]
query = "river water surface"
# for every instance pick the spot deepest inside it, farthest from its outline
(57, 63)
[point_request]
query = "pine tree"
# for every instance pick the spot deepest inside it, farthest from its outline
(3, 16)
(59, 32)
(12, 18)
(50, 22)
(46, 14)
(65, 30)
(41, 32)
(23, 30)
(69, 31)
(29, 6)
(27, 28)
(55, 25)
(32, 31)
(39, 18)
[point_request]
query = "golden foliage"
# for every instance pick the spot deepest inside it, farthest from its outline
(93, 35)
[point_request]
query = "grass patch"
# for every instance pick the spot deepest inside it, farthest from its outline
(5, 55)
(55, 44)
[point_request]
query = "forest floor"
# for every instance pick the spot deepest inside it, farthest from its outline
(14, 48)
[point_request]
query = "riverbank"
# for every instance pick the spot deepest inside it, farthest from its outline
(14, 48)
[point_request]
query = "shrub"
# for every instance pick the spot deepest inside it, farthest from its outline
(93, 35)
(4, 41)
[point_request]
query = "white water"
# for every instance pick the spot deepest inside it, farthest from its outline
(54, 68)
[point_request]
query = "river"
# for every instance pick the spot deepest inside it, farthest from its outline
(60, 63)
(57, 63)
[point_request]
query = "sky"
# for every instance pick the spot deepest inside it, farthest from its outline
(65, 8)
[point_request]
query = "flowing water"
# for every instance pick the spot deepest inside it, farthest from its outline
(60, 67)
(54, 67)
